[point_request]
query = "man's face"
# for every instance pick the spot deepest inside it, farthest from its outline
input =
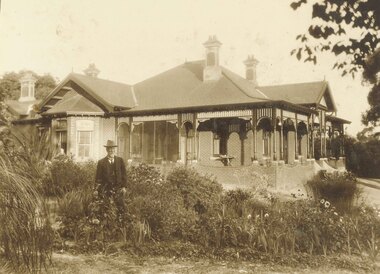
(110, 151)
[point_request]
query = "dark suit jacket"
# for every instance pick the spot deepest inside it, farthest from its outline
(103, 174)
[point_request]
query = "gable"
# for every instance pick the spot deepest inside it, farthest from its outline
(325, 99)
(312, 93)
(74, 103)
(323, 102)
(107, 95)
(298, 93)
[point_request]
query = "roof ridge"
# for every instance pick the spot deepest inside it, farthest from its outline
(96, 78)
(239, 87)
(292, 84)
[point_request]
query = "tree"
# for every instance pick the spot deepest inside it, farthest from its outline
(44, 85)
(350, 29)
(10, 85)
(371, 74)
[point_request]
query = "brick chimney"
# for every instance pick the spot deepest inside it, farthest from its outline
(91, 71)
(27, 92)
(250, 69)
(212, 70)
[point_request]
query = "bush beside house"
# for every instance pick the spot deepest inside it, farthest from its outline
(363, 157)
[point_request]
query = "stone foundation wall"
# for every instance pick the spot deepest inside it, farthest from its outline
(293, 178)
(284, 178)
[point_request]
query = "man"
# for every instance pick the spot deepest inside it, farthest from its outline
(111, 174)
(111, 182)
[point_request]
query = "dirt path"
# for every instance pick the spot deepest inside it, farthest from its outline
(371, 190)
(115, 264)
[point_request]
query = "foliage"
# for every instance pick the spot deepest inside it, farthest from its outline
(10, 85)
(44, 85)
(60, 182)
(333, 25)
(340, 189)
(73, 208)
(26, 237)
(370, 74)
(190, 208)
(198, 192)
(175, 207)
(351, 31)
(200, 196)
(363, 157)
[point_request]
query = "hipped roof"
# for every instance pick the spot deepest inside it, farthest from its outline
(21, 108)
(183, 87)
(179, 89)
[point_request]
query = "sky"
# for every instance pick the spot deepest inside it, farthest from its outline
(131, 40)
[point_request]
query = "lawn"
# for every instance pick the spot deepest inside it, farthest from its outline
(122, 263)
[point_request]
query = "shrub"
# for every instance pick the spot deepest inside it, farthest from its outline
(67, 175)
(73, 208)
(339, 189)
(200, 196)
(200, 193)
(193, 208)
(363, 157)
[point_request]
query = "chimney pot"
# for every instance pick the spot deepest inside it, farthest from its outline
(92, 70)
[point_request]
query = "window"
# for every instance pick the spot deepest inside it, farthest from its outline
(24, 91)
(265, 128)
(123, 141)
(62, 124)
(84, 143)
(216, 145)
(137, 134)
(266, 143)
(62, 141)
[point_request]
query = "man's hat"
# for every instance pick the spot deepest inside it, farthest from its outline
(110, 143)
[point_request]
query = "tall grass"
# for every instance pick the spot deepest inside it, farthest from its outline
(26, 237)
(25, 234)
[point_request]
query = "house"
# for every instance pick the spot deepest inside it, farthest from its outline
(197, 113)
